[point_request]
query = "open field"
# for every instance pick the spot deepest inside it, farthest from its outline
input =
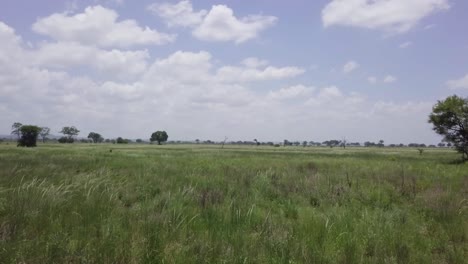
(202, 204)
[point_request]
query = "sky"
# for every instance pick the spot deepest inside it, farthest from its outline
(363, 70)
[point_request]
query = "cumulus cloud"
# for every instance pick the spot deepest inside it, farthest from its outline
(98, 25)
(180, 14)
(461, 83)
(393, 16)
(350, 66)
(65, 55)
(256, 70)
(292, 92)
(218, 24)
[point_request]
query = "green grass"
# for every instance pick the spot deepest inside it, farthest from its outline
(202, 204)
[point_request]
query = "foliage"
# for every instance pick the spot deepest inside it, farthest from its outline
(44, 133)
(66, 140)
(450, 119)
(96, 137)
(70, 131)
(122, 141)
(29, 135)
(159, 136)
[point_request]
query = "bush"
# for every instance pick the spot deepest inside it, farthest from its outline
(122, 141)
(64, 140)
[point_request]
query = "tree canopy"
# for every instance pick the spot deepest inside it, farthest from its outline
(96, 137)
(28, 135)
(159, 136)
(70, 131)
(450, 119)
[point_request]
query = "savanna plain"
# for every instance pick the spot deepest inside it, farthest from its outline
(105, 203)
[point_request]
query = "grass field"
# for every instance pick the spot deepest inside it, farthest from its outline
(202, 204)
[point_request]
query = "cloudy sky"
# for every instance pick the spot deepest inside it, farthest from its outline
(271, 70)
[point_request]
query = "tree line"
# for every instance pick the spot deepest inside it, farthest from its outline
(27, 135)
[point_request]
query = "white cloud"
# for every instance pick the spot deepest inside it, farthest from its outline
(220, 24)
(393, 16)
(292, 92)
(256, 70)
(180, 14)
(372, 79)
(99, 26)
(389, 79)
(406, 45)
(253, 62)
(63, 55)
(217, 25)
(350, 66)
(461, 83)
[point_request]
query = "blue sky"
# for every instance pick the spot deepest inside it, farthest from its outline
(271, 70)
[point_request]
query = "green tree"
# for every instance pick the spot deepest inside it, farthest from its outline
(159, 136)
(96, 137)
(15, 129)
(450, 119)
(121, 140)
(44, 133)
(28, 136)
(70, 132)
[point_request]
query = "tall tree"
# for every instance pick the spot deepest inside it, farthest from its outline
(15, 129)
(28, 136)
(159, 136)
(96, 137)
(70, 131)
(450, 119)
(44, 133)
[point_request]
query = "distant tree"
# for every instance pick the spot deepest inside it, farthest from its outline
(286, 143)
(197, 141)
(256, 142)
(450, 119)
(29, 136)
(222, 143)
(304, 143)
(381, 143)
(120, 140)
(16, 129)
(331, 143)
(95, 137)
(441, 145)
(159, 136)
(139, 140)
(44, 133)
(70, 132)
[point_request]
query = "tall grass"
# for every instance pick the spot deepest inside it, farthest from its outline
(199, 204)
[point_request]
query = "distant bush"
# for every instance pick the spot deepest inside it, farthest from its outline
(64, 140)
(122, 141)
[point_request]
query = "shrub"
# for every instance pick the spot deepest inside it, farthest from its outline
(64, 140)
